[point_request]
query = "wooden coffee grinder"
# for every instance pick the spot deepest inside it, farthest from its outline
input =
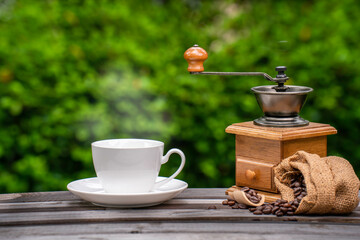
(263, 143)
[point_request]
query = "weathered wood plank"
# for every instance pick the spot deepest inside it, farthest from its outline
(194, 193)
(183, 230)
(113, 215)
(80, 205)
(182, 236)
(190, 193)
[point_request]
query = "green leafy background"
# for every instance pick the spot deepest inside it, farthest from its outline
(72, 72)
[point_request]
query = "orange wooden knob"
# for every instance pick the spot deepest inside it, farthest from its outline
(195, 56)
(250, 175)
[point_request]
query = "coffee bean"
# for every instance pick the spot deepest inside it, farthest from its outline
(236, 206)
(297, 193)
(276, 208)
(242, 206)
(212, 207)
(279, 213)
(284, 210)
(251, 192)
(254, 199)
(260, 208)
(296, 203)
(245, 189)
(270, 206)
(252, 209)
(287, 205)
(283, 201)
(231, 203)
(266, 210)
(248, 196)
(225, 202)
(297, 184)
(290, 213)
(257, 212)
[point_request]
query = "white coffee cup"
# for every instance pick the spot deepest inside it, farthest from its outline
(131, 165)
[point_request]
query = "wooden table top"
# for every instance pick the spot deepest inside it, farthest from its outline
(62, 215)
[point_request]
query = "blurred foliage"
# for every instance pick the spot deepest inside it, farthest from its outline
(72, 72)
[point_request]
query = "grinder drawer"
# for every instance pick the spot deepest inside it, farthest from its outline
(255, 174)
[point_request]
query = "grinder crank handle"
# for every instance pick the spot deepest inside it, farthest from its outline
(196, 56)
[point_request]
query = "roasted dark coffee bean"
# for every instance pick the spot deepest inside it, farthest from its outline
(248, 196)
(276, 208)
(279, 214)
(231, 203)
(266, 211)
(236, 206)
(212, 207)
(283, 201)
(283, 209)
(245, 189)
(251, 192)
(225, 202)
(260, 208)
(287, 205)
(257, 212)
(297, 193)
(289, 213)
(276, 204)
(297, 184)
(254, 199)
(296, 203)
(268, 207)
(252, 209)
(242, 206)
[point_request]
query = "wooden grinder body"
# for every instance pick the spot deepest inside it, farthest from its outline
(258, 149)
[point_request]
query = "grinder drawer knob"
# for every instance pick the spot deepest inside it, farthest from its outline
(250, 175)
(195, 56)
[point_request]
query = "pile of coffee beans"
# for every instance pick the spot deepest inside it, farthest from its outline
(251, 194)
(299, 187)
(234, 205)
(279, 208)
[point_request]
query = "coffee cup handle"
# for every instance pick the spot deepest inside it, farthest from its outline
(164, 160)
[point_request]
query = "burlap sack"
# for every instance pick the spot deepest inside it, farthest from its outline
(331, 183)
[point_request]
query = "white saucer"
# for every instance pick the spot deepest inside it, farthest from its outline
(91, 190)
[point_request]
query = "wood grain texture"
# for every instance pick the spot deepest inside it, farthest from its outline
(160, 215)
(317, 145)
(263, 174)
(186, 216)
(184, 230)
(194, 193)
(264, 150)
(251, 130)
